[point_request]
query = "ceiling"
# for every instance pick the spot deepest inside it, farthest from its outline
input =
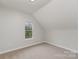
(26, 6)
(52, 14)
(58, 14)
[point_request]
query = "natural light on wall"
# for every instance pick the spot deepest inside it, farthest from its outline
(28, 29)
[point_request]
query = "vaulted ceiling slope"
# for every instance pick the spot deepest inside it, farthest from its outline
(26, 6)
(52, 14)
(58, 14)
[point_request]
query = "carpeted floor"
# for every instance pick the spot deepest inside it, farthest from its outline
(41, 51)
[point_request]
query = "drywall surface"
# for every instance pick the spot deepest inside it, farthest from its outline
(58, 14)
(65, 38)
(12, 30)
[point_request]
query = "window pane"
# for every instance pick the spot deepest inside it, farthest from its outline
(28, 34)
(28, 29)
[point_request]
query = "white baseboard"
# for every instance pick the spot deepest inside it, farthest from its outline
(74, 51)
(29, 45)
(3, 52)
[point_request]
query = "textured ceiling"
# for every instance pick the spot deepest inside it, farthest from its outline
(58, 14)
(24, 5)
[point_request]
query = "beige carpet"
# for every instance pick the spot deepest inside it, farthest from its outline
(41, 51)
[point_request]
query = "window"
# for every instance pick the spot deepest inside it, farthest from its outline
(28, 29)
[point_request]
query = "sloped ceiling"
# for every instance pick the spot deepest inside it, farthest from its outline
(58, 14)
(52, 14)
(26, 6)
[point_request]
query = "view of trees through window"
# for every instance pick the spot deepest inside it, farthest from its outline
(28, 29)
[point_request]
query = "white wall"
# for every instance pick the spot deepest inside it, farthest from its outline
(59, 18)
(66, 38)
(58, 14)
(12, 25)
